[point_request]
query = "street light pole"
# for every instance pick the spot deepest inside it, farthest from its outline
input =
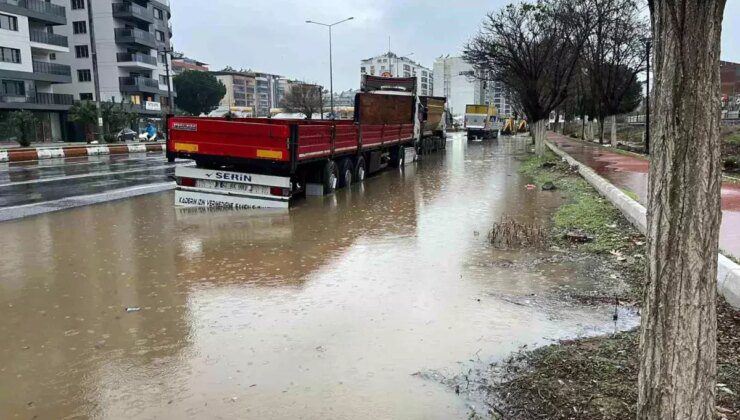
(331, 67)
(167, 55)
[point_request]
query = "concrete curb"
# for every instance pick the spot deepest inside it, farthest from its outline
(728, 273)
(18, 212)
(39, 153)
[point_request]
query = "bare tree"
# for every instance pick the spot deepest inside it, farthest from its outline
(614, 53)
(678, 339)
(304, 98)
(533, 48)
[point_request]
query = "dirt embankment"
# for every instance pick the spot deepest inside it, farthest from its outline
(596, 378)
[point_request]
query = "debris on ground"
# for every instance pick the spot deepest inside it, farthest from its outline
(548, 186)
(508, 233)
(133, 309)
(578, 236)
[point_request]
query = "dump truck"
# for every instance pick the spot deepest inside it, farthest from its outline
(245, 163)
(481, 121)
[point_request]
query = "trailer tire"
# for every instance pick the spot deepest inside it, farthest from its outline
(329, 177)
(397, 155)
(345, 173)
(360, 169)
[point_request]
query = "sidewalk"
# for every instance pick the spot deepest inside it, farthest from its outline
(630, 174)
(39, 151)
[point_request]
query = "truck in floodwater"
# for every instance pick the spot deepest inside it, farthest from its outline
(481, 121)
(254, 162)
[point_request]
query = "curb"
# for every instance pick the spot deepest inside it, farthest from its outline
(18, 212)
(728, 273)
(39, 153)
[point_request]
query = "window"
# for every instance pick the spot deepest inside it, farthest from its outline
(14, 87)
(362, 70)
(158, 14)
(159, 35)
(84, 76)
(81, 51)
(52, 56)
(9, 23)
(161, 58)
(78, 4)
(85, 96)
(135, 99)
(162, 80)
(79, 27)
(10, 55)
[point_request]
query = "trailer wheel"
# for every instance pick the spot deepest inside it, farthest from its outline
(329, 177)
(397, 156)
(345, 173)
(360, 169)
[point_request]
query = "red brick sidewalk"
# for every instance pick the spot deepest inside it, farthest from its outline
(630, 173)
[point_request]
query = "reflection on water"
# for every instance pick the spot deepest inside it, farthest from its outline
(322, 312)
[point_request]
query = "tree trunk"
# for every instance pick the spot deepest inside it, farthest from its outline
(538, 135)
(679, 323)
(601, 130)
(614, 131)
(583, 127)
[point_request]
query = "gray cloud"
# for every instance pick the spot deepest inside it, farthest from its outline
(272, 36)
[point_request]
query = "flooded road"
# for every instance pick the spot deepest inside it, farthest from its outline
(327, 311)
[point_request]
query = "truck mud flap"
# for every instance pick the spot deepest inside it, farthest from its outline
(222, 201)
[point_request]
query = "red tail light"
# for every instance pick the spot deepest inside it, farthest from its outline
(281, 192)
(186, 182)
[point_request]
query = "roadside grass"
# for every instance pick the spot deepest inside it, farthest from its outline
(596, 378)
(586, 211)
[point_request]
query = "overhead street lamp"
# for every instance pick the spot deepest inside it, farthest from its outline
(331, 70)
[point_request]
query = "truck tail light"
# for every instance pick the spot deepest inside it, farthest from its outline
(280, 192)
(186, 182)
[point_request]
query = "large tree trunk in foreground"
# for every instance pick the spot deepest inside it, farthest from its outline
(679, 325)
(537, 130)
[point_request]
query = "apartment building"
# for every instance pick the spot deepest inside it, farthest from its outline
(240, 88)
(458, 81)
(392, 65)
(130, 37)
(181, 63)
(30, 74)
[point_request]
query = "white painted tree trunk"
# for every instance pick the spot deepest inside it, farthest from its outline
(614, 130)
(538, 134)
(678, 338)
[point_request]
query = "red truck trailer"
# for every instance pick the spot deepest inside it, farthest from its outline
(258, 162)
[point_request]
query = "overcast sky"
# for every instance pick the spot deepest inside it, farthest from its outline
(272, 35)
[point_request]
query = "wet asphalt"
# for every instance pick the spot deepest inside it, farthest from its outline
(23, 183)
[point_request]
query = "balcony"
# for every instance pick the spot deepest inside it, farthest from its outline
(41, 101)
(136, 60)
(133, 12)
(52, 42)
(51, 72)
(135, 37)
(138, 84)
(36, 10)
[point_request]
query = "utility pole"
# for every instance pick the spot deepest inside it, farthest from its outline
(647, 99)
(167, 55)
(331, 67)
(96, 79)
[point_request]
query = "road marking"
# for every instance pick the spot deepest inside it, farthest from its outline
(17, 212)
(94, 174)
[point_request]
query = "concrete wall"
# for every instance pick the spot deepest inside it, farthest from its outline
(20, 40)
(728, 273)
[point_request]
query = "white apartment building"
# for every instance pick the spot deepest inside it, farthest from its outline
(391, 65)
(247, 88)
(30, 76)
(456, 80)
(129, 38)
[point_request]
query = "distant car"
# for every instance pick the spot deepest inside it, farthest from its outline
(126, 134)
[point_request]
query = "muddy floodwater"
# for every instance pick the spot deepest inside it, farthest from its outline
(135, 309)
